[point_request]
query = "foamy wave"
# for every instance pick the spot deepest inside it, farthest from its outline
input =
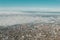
(10, 20)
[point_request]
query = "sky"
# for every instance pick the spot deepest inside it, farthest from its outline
(31, 5)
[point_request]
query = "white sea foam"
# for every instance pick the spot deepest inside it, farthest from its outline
(11, 20)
